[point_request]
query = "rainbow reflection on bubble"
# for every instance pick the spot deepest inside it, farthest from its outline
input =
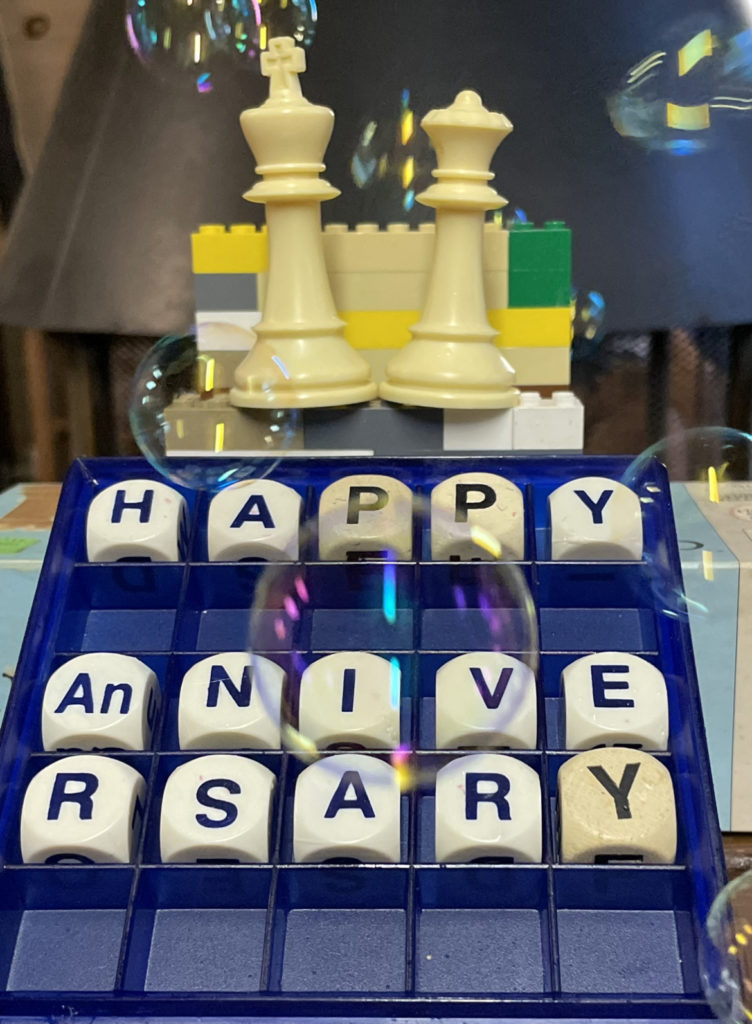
(311, 612)
(681, 96)
(175, 38)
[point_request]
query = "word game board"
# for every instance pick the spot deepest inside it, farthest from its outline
(436, 787)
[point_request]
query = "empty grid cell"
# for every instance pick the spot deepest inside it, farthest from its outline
(481, 930)
(197, 950)
(341, 929)
(345, 951)
(619, 951)
(479, 951)
(61, 929)
(625, 930)
(122, 608)
(198, 929)
(68, 950)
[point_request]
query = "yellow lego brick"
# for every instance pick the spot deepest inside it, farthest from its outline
(379, 328)
(368, 249)
(537, 328)
(496, 287)
(241, 250)
(387, 291)
(539, 367)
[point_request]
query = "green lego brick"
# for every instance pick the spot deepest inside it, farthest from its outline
(536, 288)
(546, 248)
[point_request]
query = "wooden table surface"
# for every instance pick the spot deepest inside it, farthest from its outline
(738, 849)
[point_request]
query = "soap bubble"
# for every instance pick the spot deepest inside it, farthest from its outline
(296, 18)
(727, 959)
(392, 608)
(176, 39)
(172, 37)
(393, 156)
(184, 422)
(589, 314)
(684, 94)
(709, 480)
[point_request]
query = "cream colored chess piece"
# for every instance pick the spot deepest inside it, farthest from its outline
(451, 361)
(301, 358)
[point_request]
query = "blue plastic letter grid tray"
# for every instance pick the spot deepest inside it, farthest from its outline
(413, 939)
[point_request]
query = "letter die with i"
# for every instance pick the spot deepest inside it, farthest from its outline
(217, 808)
(137, 519)
(83, 809)
(351, 698)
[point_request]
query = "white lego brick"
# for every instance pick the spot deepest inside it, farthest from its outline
(478, 430)
(548, 424)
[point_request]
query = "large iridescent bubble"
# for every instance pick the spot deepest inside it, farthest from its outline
(184, 421)
(414, 615)
(727, 960)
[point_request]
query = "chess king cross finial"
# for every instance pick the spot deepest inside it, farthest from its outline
(281, 64)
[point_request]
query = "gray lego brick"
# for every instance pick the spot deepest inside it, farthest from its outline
(225, 291)
(378, 426)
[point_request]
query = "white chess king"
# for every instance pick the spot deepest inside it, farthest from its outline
(301, 358)
(451, 361)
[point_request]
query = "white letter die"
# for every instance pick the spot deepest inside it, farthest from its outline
(368, 516)
(136, 519)
(477, 516)
(100, 702)
(82, 809)
(486, 699)
(612, 698)
(351, 697)
(231, 701)
(347, 806)
(488, 806)
(254, 519)
(217, 808)
(595, 519)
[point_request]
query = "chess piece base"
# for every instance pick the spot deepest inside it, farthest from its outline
(450, 398)
(446, 374)
(323, 371)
